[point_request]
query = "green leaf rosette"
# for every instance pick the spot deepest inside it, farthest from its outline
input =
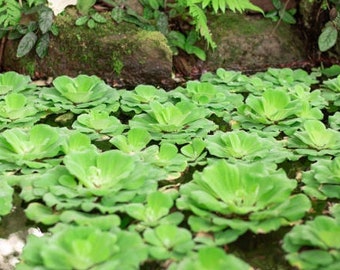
(239, 146)
(240, 197)
(176, 123)
(315, 245)
(322, 181)
(80, 94)
(83, 247)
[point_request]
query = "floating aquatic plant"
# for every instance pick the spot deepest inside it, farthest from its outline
(176, 123)
(99, 124)
(11, 82)
(83, 247)
(195, 152)
(322, 181)
(167, 241)
(166, 159)
(48, 216)
(31, 147)
(138, 100)
(228, 80)
(271, 111)
(315, 244)
(6, 198)
(288, 77)
(240, 145)
(16, 110)
(334, 121)
(107, 172)
(315, 140)
(80, 94)
(208, 96)
(134, 141)
(155, 211)
(210, 258)
(241, 197)
(331, 91)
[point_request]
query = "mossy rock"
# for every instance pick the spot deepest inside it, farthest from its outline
(121, 54)
(251, 43)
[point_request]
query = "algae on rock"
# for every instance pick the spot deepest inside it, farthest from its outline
(252, 42)
(118, 53)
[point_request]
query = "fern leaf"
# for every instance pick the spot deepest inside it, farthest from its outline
(241, 5)
(233, 5)
(200, 22)
(10, 13)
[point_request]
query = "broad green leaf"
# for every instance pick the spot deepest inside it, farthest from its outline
(318, 134)
(42, 45)
(26, 44)
(6, 193)
(41, 214)
(210, 257)
(82, 20)
(117, 14)
(91, 23)
(85, 5)
(168, 241)
(328, 38)
(98, 18)
(45, 20)
(15, 101)
(104, 222)
(13, 82)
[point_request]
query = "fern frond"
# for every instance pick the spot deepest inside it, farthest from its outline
(201, 25)
(10, 13)
(233, 5)
(242, 5)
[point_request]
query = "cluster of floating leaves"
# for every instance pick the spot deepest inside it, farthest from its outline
(95, 164)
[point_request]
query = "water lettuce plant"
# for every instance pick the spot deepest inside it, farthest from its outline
(30, 147)
(165, 158)
(207, 95)
(334, 121)
(210, 258)
(315, 244)
(195, 152)
(99, 124)
(331, 90)
(175, 123)
(138, 99)
(80, 93)
(83, 247)
(271, 111)
(322, 181)
(18, 110)
(107, 172)
(315, 140)
(241, 197)
(76, 141)
(239, 145)
(167, 241)
(6, 198)
(288, 77)
(229, 80)
(14, 82)
(155, 211)
(134, 141)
